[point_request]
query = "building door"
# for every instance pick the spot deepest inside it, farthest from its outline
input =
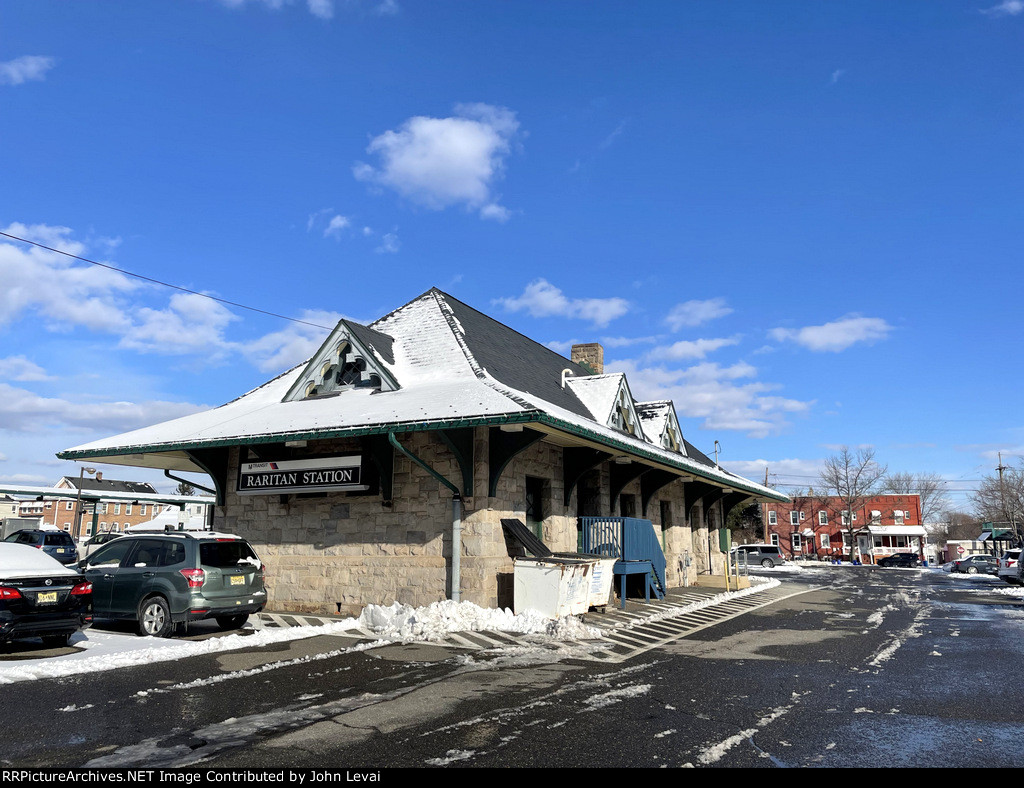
(864, 548)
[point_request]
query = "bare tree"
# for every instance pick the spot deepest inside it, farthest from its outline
(930, 487)
(849, 479)
(960, 525)
(1001, 500)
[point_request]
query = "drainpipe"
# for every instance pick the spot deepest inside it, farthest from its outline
(456, 516)
(456, 548)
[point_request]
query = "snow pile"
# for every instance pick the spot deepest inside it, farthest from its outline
(434, 622)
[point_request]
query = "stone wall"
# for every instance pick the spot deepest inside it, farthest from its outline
(339, 552)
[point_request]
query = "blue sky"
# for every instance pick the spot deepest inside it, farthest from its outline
(801, 221)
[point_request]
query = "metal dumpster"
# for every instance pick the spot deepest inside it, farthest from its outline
(554, 587)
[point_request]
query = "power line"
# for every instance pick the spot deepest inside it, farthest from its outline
(164, 284)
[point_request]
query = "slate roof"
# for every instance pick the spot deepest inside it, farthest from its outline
(454, 366)
(109, 485)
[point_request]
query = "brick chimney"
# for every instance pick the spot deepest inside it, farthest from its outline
(590, 355)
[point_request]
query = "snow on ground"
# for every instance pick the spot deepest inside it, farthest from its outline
(103, 650)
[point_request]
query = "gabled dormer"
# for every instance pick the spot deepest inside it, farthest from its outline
(352, 357)
(609, 401)
(661, 425)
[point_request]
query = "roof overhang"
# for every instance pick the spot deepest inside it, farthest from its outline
(88, 496)
(176, 457)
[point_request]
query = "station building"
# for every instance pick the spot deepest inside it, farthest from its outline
(380, 469)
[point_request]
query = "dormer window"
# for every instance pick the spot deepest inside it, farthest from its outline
(342, 362)
(670, 439)
(622, 418)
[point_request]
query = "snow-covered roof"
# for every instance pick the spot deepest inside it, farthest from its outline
(447, 365)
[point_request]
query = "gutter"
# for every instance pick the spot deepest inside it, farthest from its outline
(534, 416)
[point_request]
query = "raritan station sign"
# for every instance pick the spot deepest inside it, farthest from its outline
(319, 474)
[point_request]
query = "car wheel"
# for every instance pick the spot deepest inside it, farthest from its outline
(972, 570)
(56, 641)
(767, 563)
(155, 618)
(232, 622)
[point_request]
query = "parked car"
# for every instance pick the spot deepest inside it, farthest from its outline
(56, 544)
(40, 597)
(97, 541)
(162, 580)
(900, 559)
(1007, 568)
(975, 564)
(766, 555)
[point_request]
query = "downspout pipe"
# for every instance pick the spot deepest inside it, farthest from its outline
(456, 516)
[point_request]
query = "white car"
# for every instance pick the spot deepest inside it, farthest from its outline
(1008, 566)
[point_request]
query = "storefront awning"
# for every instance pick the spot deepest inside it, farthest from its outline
(897, 530)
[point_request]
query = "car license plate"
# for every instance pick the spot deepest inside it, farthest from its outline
(46, 597)
(60, 549)
(238, 580)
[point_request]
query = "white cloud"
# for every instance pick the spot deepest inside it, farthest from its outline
(444, 162)
(336, 225)
(715, 394)
(321, 8)
(28, 68)
(839, 72)
(608, 342)
(389, 244)
(65, 293)
(543, 299)
(695, 313)
(688, 350)
(291, 345)
(62, 294)
(25, 411)
(21, 369)
(786, 472)
(1006, 8)
(191, 324)
(835, 336)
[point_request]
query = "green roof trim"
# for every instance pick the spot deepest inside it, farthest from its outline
(536, 416)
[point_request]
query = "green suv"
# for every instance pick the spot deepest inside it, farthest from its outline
(160, 580)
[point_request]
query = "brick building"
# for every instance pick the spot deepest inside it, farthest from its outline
(121, 511)
(816, 528)
(380, 469)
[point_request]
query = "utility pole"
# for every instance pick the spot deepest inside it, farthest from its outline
(1002, 498)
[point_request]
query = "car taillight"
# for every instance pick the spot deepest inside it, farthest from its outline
(81, 588)
(9, 593)
(195, 577)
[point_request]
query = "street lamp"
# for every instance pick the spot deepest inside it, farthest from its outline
(78, 499)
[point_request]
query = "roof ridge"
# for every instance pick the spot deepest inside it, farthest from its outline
(602, 375)
(507, 327)
(398, 309)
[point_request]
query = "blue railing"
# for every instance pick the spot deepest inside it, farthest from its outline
(628, 539)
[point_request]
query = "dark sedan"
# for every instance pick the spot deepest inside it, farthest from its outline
(976, 564)
(40, 598)
(900, 559)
